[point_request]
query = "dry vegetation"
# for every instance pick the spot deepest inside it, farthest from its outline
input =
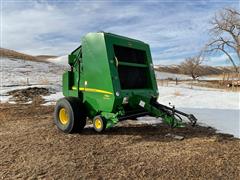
(29, 94)
(17, 55)
(216, 84)
(219, 77)
(204, 70)
(177, 93)
(32, 148)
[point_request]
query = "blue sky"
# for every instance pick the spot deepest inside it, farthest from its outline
(174, 29)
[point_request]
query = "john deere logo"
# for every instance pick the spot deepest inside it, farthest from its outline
(106, 96)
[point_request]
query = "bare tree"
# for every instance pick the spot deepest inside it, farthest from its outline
(226, 35)
(191, 66)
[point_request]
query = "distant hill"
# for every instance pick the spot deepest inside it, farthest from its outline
(175, 69)
(45, 57)
(17, 55)
(205, 70)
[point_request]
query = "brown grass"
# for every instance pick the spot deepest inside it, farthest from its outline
(177, 93)
(17, 55)
(203, 70)
(217, 84)
(32, 148)
(44, 81)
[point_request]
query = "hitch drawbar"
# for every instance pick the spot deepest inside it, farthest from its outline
(176, 114)
(170, 115)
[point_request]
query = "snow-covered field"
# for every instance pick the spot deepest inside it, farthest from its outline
(166, 75)
(61, 60)
(217, 108)
(20, 74)
(198, 97)
(212, 107)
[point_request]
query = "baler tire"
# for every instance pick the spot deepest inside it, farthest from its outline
(101, 121)
(69, 115)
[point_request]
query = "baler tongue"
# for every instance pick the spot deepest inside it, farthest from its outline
(192, 118)
(173, 116)
(170, 115)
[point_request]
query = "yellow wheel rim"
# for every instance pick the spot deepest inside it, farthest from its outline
(98, 123)
(63, 116)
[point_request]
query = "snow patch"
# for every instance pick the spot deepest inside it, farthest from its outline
(148, 120)
(61, 60)
(165, 75)
(198, 97)
(51, 99)
(224, 120)
(21, 74)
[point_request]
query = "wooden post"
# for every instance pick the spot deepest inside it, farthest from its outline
(238, 80)
(223, 80)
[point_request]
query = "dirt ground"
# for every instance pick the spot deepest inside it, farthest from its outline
(31, 147)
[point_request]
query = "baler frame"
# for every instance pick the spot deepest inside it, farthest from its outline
(105, 93)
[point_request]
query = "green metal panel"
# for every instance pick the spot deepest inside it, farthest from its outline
(96, 79)
(65, 87)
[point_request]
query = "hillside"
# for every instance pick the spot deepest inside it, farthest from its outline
(62, 60)
(17, 55)
(204, 70)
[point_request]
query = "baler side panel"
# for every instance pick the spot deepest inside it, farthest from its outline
(70, 78)
(96, 81)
